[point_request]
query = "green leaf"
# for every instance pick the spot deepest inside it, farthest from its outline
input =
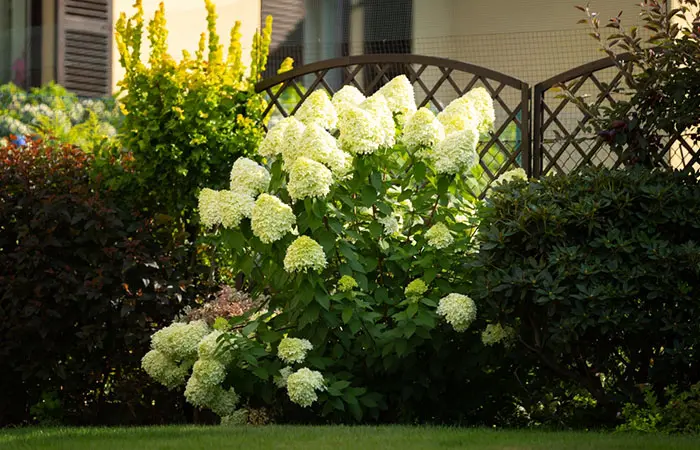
(375, 229)
(250, 359)
(250, 328)
(261, 373)
(340, 385)
(338, 404)
(347, 315)
(368, 195)
(443, 184)
(411, 310)
(369, 401)
(376, 179)
(323, 299)
(309, 316)
(419, 172)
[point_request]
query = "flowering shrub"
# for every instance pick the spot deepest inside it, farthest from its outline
(355, 237)
(54, 114)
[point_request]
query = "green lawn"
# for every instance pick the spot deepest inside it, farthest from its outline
(334, 438)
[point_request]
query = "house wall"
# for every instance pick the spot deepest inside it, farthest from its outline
(187, 20)
(531, 40)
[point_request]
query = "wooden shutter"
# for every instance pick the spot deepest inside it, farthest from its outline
(84, 53)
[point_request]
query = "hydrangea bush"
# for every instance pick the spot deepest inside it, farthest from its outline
(353, 228)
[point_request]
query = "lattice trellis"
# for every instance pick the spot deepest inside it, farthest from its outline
(436, 82)
(562, 140)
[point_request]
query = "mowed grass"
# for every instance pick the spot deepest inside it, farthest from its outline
(334, 438)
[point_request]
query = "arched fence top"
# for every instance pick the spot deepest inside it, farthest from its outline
(583, 70)
(390, 58)
(436, 81)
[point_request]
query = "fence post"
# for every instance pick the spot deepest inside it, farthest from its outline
(525, 131)
(537, 118)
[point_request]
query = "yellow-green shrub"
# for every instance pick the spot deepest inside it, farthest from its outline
(186, 120)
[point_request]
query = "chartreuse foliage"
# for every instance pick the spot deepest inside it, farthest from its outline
(186, 119)
(353, 228)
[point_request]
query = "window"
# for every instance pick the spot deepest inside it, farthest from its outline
(20, 42)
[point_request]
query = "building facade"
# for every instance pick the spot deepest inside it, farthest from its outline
(72, 41)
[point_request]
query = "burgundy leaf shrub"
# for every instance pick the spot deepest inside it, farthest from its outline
(82, 287)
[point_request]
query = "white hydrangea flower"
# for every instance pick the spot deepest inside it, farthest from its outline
(400, 96)
(293, 350)
(439, 236)
(379, 108)
(346, 283)
(360, 132)
(209, 371)
(281, 380)
(459, 115)
(422, 129)
(321, 146)
(274, 140)
(318, 109)
(234, 207)
(163, 369)
(304, 254)
(392, 224)
(224, 401)
(416, 288)
(458, 310)
(302, 386)
(198, 393)
(308, 178)
(179, 341)
(511, 175)
(456, 152)
(249, 177)
(291, 148)
(347, 95)
(225, 208)
(271, 218)
(496, 333)
(209, 208)
(208, 349)
(482, 102)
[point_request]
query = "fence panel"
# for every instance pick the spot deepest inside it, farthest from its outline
(564, 142)
(436, 81)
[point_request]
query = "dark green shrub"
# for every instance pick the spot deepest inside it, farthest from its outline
(83, 286)
(599, 274)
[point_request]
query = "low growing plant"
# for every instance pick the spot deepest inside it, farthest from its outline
(54, 114)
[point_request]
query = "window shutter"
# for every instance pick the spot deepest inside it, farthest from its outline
(84, 53)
